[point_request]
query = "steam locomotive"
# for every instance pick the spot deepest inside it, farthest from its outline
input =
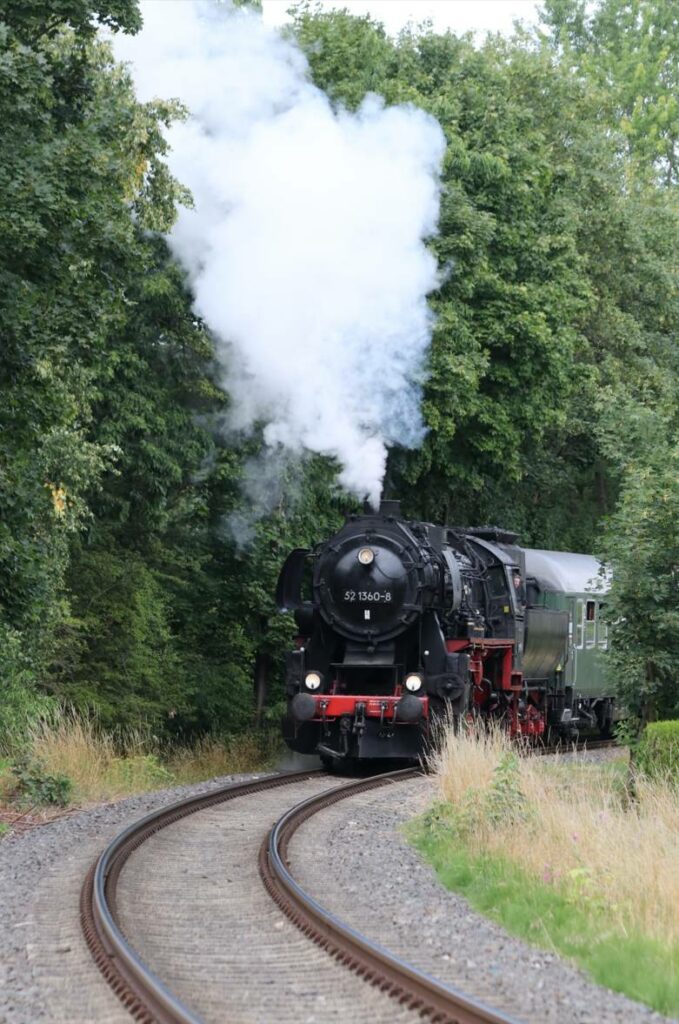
(402, 622)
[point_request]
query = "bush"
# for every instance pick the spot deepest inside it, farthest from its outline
(658, 752)
(37, 786)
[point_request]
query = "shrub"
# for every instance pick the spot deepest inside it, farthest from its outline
(35, 785)
(658, 752)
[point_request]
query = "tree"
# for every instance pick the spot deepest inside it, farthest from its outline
(122, 586)
(630, 48)
(629, 51)
(557, 319)
(641, 544)
(81, 176)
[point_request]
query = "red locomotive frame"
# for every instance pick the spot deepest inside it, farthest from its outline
(490, 666)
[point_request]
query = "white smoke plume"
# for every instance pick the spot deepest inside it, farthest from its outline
(305, 249)
(270, 481)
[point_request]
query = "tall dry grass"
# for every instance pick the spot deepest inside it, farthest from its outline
(103, 766)
(212, 756)
(580, 829)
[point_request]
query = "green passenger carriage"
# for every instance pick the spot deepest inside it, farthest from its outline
(575, 585)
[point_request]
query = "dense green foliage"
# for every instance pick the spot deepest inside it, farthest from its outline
(551, 401)
(630, 48)
(628, 51)
(118, 589)
(536, 316)
(642, 544)
(657, 753)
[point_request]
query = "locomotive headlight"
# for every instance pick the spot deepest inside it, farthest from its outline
(413, 682)
(366, 556)
(312, 680)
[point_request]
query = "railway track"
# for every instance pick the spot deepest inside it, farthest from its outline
(145, 996)
(148, 999)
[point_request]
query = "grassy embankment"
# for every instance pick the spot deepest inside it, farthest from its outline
(574, 857)
(69, 762)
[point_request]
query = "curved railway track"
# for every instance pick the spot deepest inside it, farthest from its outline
(148, 999)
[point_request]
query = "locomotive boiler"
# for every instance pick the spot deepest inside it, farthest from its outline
(400, 623)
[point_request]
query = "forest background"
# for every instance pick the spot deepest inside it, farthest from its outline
(551, 401)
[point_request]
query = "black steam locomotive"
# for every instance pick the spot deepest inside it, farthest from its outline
(400, 622)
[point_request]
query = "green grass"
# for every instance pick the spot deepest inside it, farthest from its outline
(567, 920)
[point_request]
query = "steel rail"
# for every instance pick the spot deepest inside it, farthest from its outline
(144, 995)
(403, 981)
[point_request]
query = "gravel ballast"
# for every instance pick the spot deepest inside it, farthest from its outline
(44, 961)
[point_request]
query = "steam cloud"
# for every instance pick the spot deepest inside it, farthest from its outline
(305, 248)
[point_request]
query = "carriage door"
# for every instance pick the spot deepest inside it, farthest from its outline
(576, 638)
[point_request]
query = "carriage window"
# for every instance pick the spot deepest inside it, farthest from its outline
(579, 617)
(602, 629)
(590, 624)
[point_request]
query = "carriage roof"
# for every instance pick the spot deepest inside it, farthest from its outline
(567, 572)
